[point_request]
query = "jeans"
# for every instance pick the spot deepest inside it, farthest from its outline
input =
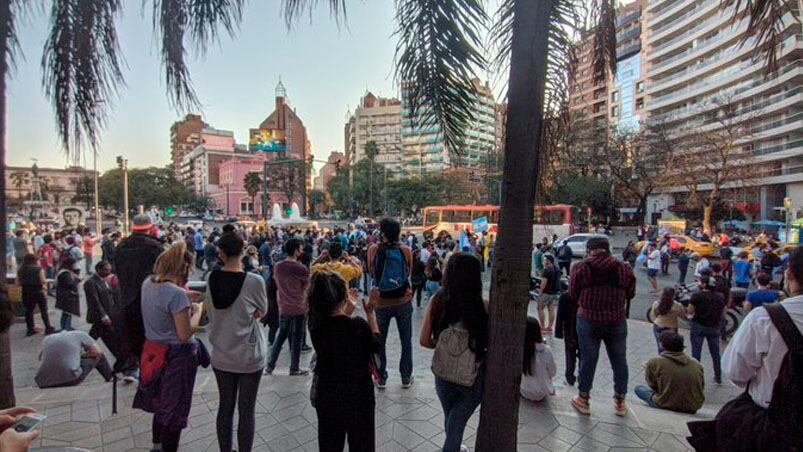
(682, 277)
(571, 355)
(644, 393)
(291, 326)
(242, 390)
(199, 259)
(88, 264)
(366, 283)
(418, 294)
(589, 336)
(66, 321)
(711, 334)
(31, 298)
(431, 287)
(656, 331)
(745, 285)
(403, 314)
(459, 403)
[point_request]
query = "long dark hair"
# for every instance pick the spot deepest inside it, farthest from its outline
(461, 301)
(28, 261)
(666, 302)
(532, 336)
(325, 293)
(432, 265)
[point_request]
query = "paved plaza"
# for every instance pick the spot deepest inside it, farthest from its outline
(406, 419)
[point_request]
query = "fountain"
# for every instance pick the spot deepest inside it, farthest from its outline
(293, 220)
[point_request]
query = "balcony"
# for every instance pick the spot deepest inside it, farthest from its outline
(627, 51)
(676, 20)
(628, 18)
(632, 33)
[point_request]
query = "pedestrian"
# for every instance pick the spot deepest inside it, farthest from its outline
(653, 266)
(701, 262)
(666, 257)
(67, 358)
(456, 325)
(337, 261)
(198, 245)
(565, 254)
(418, 279)
(761, 358)
(538, 366)
(210, 257)
(171, 353)
(629, 254)
(47, 257)
(725, 260)
(67, 298)
(250, 261)
(239, 352)
(566, 329)
(665, 313)
(675, 381)
(706, 311)
(31, 277)
(390, 263)
(538, 261)
(88, 248)
(291, 278)
(602, 286)
(433, 274)
(550, 290)
(20, 246)
(762, 295)
(742, 274)
(683, 265)
(342, 391)
(100, 303)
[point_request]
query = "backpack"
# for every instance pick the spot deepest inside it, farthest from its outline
(453, 360)
(391, 274)
(64, 254)
(786, 405)
(565, 253)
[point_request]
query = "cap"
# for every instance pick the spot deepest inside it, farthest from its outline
(142, 223)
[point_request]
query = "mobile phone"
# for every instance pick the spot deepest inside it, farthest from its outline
(28, 422)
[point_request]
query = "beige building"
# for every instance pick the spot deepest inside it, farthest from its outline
(58, 186)
(694, 59)
(185, 135)
(376, 119)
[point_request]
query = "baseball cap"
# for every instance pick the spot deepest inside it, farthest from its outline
(142, 223)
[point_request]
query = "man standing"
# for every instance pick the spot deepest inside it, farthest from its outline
(337, 261)
(198, 245)
(683, 265)
(565, 255)
(390, 263)
(653, 266)
(133, 259)
(602, 286)
(291, 279)
(550, 289)
(538, 261)
(99, 306)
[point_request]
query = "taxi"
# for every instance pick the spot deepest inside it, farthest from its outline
(676, 242)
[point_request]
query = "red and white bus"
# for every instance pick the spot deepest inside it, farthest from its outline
(559, 219)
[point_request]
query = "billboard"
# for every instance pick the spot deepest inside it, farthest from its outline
(267, 140)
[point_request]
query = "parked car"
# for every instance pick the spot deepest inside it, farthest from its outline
(579, 242)
(365, 222)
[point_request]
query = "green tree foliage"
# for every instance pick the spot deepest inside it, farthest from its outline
(84, 191)
(581, 191)
(146, 186)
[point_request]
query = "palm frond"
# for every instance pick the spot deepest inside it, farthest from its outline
(82, 67)
(207, 17)
(171, 21)
(438, 54)
(765, 23)
(292, 10)
(603, 18)
(10, 13)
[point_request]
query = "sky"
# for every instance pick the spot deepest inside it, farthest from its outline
(325, 70)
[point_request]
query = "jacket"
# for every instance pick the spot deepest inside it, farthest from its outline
(677, 381)
(602, 285)
(99, 299)
(67, 292)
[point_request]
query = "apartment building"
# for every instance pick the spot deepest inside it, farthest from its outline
(185, 135)
(694, 59)
(376, 119)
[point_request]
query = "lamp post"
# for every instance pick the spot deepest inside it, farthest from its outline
(98, 217)
(123, 164)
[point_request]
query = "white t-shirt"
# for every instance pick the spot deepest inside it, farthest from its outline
(654, 260)
(425, 254)
(539, 385)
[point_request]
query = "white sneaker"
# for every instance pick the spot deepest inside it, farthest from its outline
(128, 379)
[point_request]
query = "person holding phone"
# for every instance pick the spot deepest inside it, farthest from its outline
(171, 354)
(17, 428)
(342, 392)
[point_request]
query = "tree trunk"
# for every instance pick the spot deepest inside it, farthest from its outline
(510, 281)
(708, 210)
(6, 376)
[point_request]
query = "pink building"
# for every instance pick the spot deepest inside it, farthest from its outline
(231, 196)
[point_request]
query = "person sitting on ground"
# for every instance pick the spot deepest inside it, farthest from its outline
(539, 365)
(67, 359)
(761, 296)
(675, 380)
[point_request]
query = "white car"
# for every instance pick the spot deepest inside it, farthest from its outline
(579, 242)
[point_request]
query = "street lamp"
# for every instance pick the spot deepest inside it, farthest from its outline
(123, 164)
(98, 218)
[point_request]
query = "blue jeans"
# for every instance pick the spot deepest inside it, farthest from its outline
(365, 282)
(291, 326)
(656, 331)
(711, 334)
(66, 321)
(88, 264)
(403, 314)
(431, 287)
(589, 336)
(644, 393)
(459, 403)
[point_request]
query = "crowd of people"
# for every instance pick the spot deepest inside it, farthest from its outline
(339, 290)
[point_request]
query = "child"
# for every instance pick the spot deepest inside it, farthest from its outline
(539, 364)
(566, 329)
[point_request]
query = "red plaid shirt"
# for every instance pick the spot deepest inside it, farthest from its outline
(601, 284)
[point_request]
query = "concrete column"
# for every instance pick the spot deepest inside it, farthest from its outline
(764, 203)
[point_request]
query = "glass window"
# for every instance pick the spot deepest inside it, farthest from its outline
(433, 217)
(615, 96)
(615, 111)
(640, 87)
(479, 214)
(538, 217)
(462, 216)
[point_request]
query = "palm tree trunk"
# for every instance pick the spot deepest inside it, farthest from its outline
(511, 267)
(6, 376)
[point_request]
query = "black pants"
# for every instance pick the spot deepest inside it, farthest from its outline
(341, 416)
(418, 291)
(565, 266)
(31, 298)
(572, 353)
(168, 439)
(242, 390)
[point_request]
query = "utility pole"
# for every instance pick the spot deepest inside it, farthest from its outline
(123, 164)
(265, 194)
(98, 214)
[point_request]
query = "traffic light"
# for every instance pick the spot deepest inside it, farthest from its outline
(169, 211)
(288, 212)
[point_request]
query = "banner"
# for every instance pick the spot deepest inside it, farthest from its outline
(267, 140)
(479, 225)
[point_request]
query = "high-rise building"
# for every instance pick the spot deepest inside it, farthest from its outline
(185, 135)
(376, 119)
(424, 150)
(200, 169)
(696, 58)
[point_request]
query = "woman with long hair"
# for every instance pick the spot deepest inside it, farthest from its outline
(31, 277)
(418, 278)
(665, 313)
(171, 354)
(538, 366)
(434, 275)
(457, 319)
(343, 391)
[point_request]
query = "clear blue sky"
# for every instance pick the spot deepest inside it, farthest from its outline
(325, 71)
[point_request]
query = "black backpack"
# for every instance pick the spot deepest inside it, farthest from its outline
(786, 405)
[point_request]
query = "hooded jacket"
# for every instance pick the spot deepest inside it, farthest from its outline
(602, 285)
(238, 343)
(677, 381)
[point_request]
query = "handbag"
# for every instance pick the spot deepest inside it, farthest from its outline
(454, 361)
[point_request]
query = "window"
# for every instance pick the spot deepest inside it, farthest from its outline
(640, 87)
(639, 103)
(479, 214)
(433, 217)
(246, 207)
(615, 111)
(615, 96)
(459, 216)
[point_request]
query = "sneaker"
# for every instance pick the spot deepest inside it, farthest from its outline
(409, 382)
(305, 348)
(582, 405)
(269, 371)
(129, 379)
(463, 448)
(619, 406)
(380, 383)
(299, 372)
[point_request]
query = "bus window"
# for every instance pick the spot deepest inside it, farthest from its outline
(479, 214)
(433, 217)
(539, 216)
(555, 217)
(460, 216)
(494, 218)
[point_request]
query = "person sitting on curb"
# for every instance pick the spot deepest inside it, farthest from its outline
(68, 357)
(675, 380)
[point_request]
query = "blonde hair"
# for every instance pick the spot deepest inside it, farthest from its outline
(174, 264)
(251, 249)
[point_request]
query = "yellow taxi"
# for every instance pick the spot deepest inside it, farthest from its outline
(684, 241)
(779, 250)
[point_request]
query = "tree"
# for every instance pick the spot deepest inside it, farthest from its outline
(146, 186)
(365, 179)
(84, 190)
(20, 179)
(253, 183)
(287, 177)
(371, 151)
